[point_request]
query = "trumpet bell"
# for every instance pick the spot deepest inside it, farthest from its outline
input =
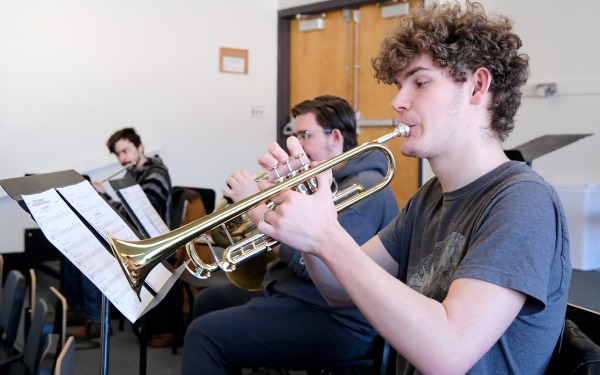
(136, 265)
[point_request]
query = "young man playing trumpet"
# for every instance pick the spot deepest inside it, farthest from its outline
(289, 321)
(473, 275)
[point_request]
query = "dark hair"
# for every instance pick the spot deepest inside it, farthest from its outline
(126, 133)
(332, 112)
(461, 40)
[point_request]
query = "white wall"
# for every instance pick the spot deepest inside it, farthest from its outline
(72, 72)
(561, 41)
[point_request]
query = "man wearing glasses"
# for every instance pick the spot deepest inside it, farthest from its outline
(289, 321)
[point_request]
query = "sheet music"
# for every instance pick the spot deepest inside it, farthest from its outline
(84, 198)
(65, 230)
(70, 235)
(138, 202)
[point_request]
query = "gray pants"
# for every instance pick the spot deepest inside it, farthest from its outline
(265, 331)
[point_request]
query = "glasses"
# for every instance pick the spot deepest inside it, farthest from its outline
(303, 135)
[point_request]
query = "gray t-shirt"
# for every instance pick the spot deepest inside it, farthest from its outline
(507, 228)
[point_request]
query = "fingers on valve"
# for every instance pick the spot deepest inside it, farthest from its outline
(293, 144)
(277, 152)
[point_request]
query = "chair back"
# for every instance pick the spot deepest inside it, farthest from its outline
(56, 339)
(37, 342)
(59, 305)
(377, 360)
(1, 273)
(577, 352)
(29, 310)
(11, 308)
(32, 290)
(65, 364)
(188, 205)
(183, 196)
(49, 357)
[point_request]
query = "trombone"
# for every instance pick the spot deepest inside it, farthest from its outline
(138, 258)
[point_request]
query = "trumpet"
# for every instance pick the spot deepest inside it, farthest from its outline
(138, 258)
(239, 236)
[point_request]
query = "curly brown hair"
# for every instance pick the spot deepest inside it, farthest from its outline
(460, 39)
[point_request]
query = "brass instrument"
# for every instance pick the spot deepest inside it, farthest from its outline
(249, 275)
(138, 258)
(237, 228)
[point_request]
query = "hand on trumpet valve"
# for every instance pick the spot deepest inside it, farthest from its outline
(297, 215)
(301, 221)
(240, 184)
(280, 165)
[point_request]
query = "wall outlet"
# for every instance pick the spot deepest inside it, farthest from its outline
(257, 111)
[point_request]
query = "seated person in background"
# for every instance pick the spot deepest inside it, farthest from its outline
(290, 322)
(153, 177)
(473, 275)
(149, 172)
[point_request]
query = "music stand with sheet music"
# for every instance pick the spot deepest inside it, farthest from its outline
(148, 221)
(540, 146)
(33, 183)
(67, 204)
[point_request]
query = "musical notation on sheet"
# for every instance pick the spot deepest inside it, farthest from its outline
(65, 230)
(84, 198)
(95, 211)
(149, 218)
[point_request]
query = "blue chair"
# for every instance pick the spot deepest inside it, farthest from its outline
(56, 340)
(11, 310)
(36, 344)
(1, 272)
(65, 365)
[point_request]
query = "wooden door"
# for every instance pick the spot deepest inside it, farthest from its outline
(319, 59)
(324, 62)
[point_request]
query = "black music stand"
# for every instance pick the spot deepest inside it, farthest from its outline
(543, 145)
(116, 185)
(16, 187)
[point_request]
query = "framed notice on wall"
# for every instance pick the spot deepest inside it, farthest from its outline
(233, 60)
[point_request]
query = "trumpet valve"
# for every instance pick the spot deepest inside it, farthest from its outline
(278, 178)
(287, 164)
(300, 158)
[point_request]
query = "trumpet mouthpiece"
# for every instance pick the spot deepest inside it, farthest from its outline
(402, 130)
